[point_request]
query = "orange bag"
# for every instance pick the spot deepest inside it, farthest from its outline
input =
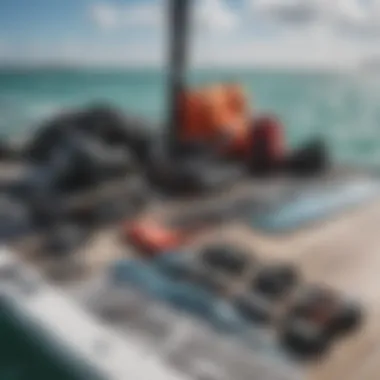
(216, 113)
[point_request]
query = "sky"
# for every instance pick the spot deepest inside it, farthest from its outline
(335, 33)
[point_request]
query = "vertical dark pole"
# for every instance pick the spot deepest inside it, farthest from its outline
(179, 17)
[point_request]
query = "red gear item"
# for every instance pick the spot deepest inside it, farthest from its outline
(151, 237)
(268, 140)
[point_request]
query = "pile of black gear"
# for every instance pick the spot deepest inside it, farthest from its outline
(85, 148)
(76, 152)
(100, 123)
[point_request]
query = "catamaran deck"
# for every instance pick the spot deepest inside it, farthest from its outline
(342, 252)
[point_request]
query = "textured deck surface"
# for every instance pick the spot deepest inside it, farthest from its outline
(343, 252)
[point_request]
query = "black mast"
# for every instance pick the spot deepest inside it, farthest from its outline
(178, 32)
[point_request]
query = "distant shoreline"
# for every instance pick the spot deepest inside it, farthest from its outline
(59, 67)
(110, 70)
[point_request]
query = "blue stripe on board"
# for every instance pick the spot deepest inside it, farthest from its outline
(314, 206)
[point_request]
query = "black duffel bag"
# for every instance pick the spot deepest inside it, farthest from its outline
(310, 159)
(192, 171)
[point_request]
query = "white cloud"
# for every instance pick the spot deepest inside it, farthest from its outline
(287, 11)
(361, 18)
(211, 15)
(108, 16)
(355, 16)
(143, 15)
(104, 15)
(4, 47)
(351, 11)
(310, 33)
(215, 15)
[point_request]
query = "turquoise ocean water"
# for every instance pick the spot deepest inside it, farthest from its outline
(345, 108)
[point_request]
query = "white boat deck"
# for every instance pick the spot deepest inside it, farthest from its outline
(343, 253)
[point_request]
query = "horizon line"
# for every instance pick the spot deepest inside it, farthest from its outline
(16, 65)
